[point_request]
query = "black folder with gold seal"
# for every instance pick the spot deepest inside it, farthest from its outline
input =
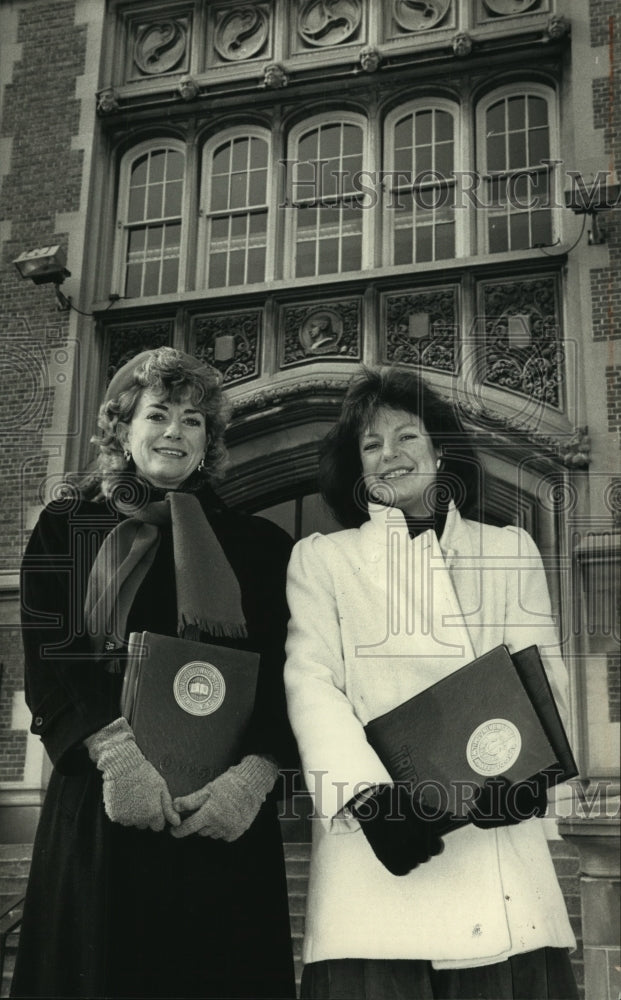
(496, 716)
(189, 704)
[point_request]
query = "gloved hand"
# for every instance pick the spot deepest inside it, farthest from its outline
(499, 803)
(401, 833)
(134, 793)
(228, 805)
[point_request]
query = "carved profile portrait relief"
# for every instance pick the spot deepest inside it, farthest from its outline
(321, 332)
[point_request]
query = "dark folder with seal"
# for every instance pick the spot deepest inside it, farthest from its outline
(494, 716)
(189, 704)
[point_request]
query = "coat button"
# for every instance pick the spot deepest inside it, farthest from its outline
(38, 720)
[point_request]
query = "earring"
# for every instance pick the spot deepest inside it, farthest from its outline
(438, 463)
(201, 465)
(127, 455)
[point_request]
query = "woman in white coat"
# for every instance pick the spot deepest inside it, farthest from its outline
(408, 593)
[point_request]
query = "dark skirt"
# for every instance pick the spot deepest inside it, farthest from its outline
(545, 974)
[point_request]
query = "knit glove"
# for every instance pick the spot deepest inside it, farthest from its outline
(500, 803)
(401, 833)
(134, 793)
(227, 806)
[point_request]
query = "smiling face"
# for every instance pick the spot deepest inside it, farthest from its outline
(167, 440)
(398, 460)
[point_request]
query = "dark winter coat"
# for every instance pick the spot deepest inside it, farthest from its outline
(115, 911)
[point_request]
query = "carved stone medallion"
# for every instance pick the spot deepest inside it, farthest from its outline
(329, 22)
(160, 46)
(321, 331)
(241, 33)
(410, 15)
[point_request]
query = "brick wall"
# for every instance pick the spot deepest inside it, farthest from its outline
(40, 115)
(606, 282)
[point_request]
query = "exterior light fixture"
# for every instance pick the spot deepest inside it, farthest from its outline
(591, 201)
(45, 265)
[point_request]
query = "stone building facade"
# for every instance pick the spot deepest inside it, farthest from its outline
(290, 188)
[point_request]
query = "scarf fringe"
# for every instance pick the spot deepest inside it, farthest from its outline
(217, 629)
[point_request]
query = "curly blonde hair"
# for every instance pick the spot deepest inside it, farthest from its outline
(167, 373)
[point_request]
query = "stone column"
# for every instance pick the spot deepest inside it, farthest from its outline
(596, 835)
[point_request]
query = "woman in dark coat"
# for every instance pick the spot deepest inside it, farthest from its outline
(132, 894)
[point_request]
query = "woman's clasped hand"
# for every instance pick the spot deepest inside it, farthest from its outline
(225, 807)
(134, 792)
(402, 832)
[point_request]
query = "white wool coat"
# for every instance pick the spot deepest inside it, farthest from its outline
(377, 617)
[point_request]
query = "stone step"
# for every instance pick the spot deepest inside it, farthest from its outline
(297, 851)
(297, 889)
(14, 866)
(11, 884)
(9, 965)
(297, 904)
(297, 866)
(15, 852)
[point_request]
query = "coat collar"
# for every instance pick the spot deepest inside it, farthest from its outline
(382, 518)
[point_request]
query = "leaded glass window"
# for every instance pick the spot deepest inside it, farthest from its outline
(153, 183)
(236, 194)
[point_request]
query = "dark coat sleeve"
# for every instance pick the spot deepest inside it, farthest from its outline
(69, 694)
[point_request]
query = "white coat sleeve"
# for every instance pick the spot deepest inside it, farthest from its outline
(528, 614)
(338, 762)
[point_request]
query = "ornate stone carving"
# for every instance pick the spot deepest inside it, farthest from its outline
(241, 32)
(229, 342)
(127, 340)
(403, 341)
(462, 44)
(160, 47)
(506, 8)
(612, 500)
(370, 59)
(576, 450)
(314, 331)
(107, 101)
(558, 448)
(274, 76)
(534, 367)
(557, 27)
(329, 22)
(411, 16)
(266, 398)
(187, 88)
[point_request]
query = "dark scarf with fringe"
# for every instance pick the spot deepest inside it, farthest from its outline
(208, 594)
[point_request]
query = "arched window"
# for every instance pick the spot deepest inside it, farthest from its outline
(150, 219)
(419, 185)
(326, 233)
(516, 142)
(235, 207)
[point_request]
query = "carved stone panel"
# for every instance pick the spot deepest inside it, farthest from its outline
(315, 331)
(408, 17)
(522, 347)
(240, 32)
(323, 24)
(421, 328)
(230, 342)
(158, 42)
(128, 339)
